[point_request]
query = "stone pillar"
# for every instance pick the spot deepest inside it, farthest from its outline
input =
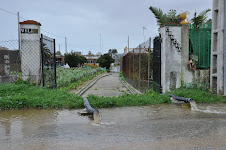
(170, 57)
(30, 50)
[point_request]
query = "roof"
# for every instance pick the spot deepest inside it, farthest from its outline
(30, 22)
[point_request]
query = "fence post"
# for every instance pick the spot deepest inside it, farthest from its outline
(42, 53)
(54, 62)
(139, 64)
(149, 52)
(129, 67)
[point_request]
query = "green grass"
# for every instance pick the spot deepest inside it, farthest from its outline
(149, 98)
(22, 95)
(200, 95)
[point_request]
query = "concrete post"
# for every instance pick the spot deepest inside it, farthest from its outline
(30, 50)
(6, 65)
(186, 75)
(170, 58)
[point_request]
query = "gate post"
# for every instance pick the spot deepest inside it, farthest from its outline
(30, 50)
(170, 57)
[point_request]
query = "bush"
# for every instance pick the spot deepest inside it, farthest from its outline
(73, 59)
(105, 61)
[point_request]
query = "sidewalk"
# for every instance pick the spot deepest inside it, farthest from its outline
(107, 86)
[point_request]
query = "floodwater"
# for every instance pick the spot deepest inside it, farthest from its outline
(154, 127)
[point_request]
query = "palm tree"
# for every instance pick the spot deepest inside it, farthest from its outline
(201, 18)
(163, 18)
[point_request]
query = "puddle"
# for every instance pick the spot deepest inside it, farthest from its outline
(150, 127)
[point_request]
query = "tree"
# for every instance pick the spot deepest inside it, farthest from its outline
(112, 51)
(73, 59)
(201, 18)
(81, 59)
(105, 61)
(58, 53)
(163, 18)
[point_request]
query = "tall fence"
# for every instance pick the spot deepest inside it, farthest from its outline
(200, 45)
(137, 69)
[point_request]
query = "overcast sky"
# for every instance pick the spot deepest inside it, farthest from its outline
(82, 21)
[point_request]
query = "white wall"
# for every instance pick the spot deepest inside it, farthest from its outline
(31, 53)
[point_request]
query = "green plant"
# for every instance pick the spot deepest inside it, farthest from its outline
(69, 75)
(105, 61)
(162, 18)
(73, 59)
(201, 18)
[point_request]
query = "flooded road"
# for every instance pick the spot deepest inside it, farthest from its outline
(150, 127)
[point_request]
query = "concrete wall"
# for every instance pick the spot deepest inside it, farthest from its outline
(30, 53)
(217, 66)
(170, 59)
(175, 64)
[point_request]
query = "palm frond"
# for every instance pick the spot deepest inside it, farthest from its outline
(201, 18)
(159, 15)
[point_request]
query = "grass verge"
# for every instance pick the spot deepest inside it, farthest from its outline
(24, 95)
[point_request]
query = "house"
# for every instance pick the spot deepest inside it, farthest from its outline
(92, 60)
(60, 60)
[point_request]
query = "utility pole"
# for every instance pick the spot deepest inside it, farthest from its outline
(65, 45)
(100, 44)
(59, 47)
(18, 15)
(128, 43)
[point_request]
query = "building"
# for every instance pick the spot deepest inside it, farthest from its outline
(60, 60)
(92, 60)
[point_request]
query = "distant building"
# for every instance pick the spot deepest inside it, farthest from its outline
(92, 60)
(60, 60)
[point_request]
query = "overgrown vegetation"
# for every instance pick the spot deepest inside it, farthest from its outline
(70, 75)
(77, 83)
(24, 95)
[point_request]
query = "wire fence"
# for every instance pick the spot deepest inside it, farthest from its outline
(10, 60)
(48, 62)
(24, 63)
(137, 69)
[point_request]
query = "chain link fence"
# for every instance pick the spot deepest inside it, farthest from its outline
(137, 69)
(24, 63)
(10, 60)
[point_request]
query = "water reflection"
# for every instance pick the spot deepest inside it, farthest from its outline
(160, 125)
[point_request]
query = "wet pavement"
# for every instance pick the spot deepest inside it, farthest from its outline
(108, 86)
(151, 127)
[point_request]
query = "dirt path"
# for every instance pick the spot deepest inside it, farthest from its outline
(107, 86)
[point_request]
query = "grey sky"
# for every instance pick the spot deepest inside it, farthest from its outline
(82, 21)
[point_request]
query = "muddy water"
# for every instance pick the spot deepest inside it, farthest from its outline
(151, 127)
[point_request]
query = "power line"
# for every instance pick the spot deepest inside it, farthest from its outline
(52, 34)
(8, 11)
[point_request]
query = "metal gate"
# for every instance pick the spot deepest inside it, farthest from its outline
(48, 62)
(157, 65)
